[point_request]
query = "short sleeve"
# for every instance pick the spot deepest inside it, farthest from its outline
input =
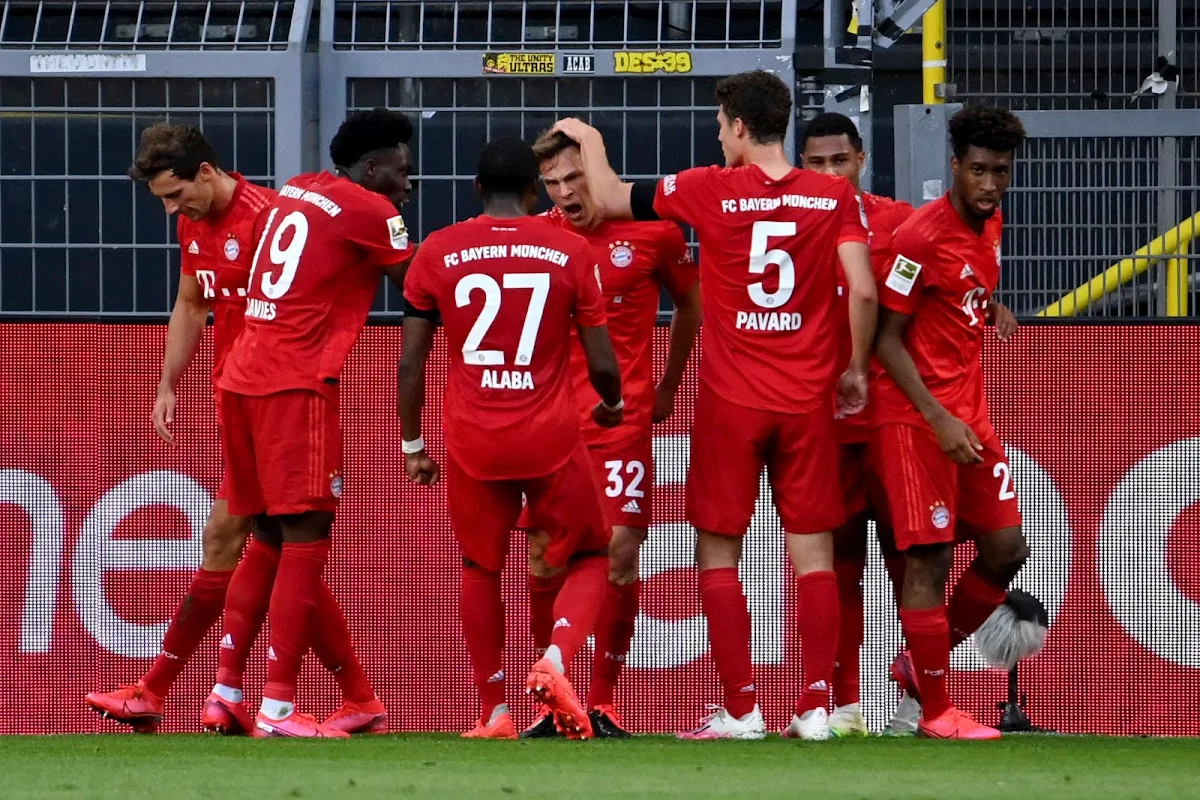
(589, 299)
(418, 281)
(187, 261)
(905, 277)
(380, 231)
(853, 222)
(682, 197)
(676, 269)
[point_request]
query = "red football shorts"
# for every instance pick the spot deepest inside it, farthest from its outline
(934, 500)
(223, 489)
(283, 452)
(625, 471)
(730, 446)
(566, 503)
(861, 489)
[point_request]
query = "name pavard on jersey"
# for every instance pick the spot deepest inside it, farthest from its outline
(774, 320)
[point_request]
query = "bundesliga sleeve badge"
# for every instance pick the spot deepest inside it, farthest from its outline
(398, 232)
(903, 275)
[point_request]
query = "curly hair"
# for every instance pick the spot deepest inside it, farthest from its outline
(366, 131)
(996, 129)
(832, 123)
(759, 99)
(180, 149)
(506, 166)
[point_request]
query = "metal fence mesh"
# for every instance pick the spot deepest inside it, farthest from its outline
(76, 234)
(374, 24)
(259, 24)
(651, 127)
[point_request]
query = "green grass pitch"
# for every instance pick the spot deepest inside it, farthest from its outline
(437, 766)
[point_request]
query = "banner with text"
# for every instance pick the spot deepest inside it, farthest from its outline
(102, 525)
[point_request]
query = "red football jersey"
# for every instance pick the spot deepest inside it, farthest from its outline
(636, 259)
(324, 243)
(509, 292)
(218, 252)
(884, 216)
(943, 276)
(768, 279)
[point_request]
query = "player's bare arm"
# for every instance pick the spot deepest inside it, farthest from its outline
(396, 272)
(1002, 317)
(685, 322)
(416, 343)
(604, 374)
(864, 311)
(609, 192)
(955, 437)
(184, 331)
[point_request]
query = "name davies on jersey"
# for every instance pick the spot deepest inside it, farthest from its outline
(469, 254)
(760, 204)
(260, 309)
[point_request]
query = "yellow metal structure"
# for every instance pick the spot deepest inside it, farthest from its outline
(1173, 244)
(933, 53)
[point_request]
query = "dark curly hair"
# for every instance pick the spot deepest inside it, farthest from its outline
(366, 131)
(506, 166)
(996, 129)
(759, 99)
(180, 149)
(832, 123)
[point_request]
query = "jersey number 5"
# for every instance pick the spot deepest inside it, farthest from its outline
(286, 257)
(761, 258)
(539, 282)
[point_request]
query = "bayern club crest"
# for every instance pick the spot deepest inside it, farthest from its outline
(232, 248)
(620, 254)
(940, 517)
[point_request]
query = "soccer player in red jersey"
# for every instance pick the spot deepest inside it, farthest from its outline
(943, 468)
(637, 261)
(771, 237)
(325, 241)
(832, 145)
(510, 289)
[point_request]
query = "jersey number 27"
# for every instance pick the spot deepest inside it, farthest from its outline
(539, 282)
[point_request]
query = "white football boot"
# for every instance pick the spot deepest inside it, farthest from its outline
(720, 724)
(813, 726)
(904, 720)
(848, 721)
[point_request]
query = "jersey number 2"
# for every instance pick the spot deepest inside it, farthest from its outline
(539, 282)
(761, 258)
(288, 257)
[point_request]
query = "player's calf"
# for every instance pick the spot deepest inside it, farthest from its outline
(224, 538)
(1002, 553)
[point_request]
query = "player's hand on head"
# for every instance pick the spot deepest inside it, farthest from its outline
(1004, 320)
(575, 129)
(422, 469)
(957, 440)
(664, 404)
(852, 393)
(164, 415)
(606, 417)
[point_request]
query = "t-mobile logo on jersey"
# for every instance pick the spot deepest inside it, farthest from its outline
(971, 303)
(208, 282)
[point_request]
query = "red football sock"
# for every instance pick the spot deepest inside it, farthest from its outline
(895, 566)
(246, 605)
(578, 605)
(973, 601)
(334, 646)
(614, 632)
(817, 617)
(724, 605)
(542, 594)
(297, 584)
(482, 613)
(200, 608)
(927, 632)
(846, 677)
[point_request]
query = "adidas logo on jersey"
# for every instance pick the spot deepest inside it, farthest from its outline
(497, 678)
(562, 622)
(194, 248)
(632, 507)
(966, 272)
(819, 686)
(227, 642)
(271, 654)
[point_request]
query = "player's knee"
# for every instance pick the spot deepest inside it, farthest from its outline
(223, 540)
(928, 565)
(623, 555)
(1007, 554)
